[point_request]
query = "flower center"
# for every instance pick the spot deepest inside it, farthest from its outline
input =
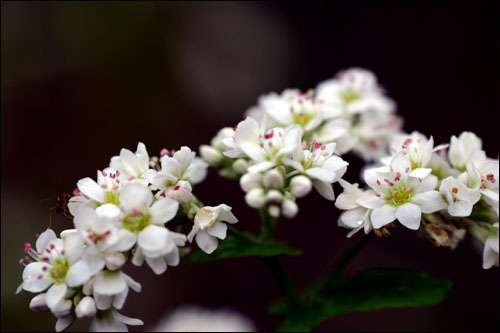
(399, 195)
(58, 271)
(303, 117)
(349, 96)
(112, 197)
(206, 218)
(136, 221)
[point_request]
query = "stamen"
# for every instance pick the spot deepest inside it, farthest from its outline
(378, 195)
(177, 187)
(391, 184)
(454, 190)
(408, 190)
(104, 186)
(136, 212)
(103, 173)
(378, 182)
(165, 151)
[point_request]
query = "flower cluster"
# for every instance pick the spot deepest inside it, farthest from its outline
(422, 184)
(121, 216)
(290, 142)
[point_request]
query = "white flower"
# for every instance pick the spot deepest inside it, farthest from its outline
(85, 308)
(211, 155)
(459, 197)
(134, 167)
(319, 164)
(208, 226)
(354, 90)
(110, 289)
(401, 196)
(417, 149)
(57, 266)
(266, 148)
(490, 253)
(179, 172)
(462, 147)
(169, 257)
(196, 319)
(145, 221)
(482, 174)
(338, 131)
(355, 216)
(294, 107)
(112, 321)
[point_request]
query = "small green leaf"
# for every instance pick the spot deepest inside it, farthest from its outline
(243, 244)
(369, 290)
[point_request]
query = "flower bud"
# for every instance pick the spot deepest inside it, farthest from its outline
(273, 178)
(211, 155)
(250, 181)
(217, 141)
(274, 211)
(86, 308)
(62, 309)
(289, 208)
(240, 166)
(255, 198)
(68, 232)
(300, 186)
(114, 260)
(181, 192)
(38, 303)
(274, 196)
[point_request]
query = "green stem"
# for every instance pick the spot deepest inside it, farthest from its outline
(346, 258)
(268, 225)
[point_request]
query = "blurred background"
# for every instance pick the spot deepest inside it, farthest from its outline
(81, 80)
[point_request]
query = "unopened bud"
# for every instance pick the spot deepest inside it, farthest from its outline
(300, 186)
(289, 208)
(38, 303)
(211, 155)
(114, 260)
(273, 179)
(274, 196)
(249, 181)
(274, 211)
(86, 308)
(240, 166)
(68, 232)
(217, 141)
(255, 198)
(62, 309)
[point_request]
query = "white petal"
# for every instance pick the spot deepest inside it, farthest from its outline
(163, 210)
(206, 242)
(78, 274)
(420, 172)
(31, 282)
(320, 174)
(353, 218)
(94, 259)
(136, 286)
(153, 238)
(218, 230)
(158, 265)
(383, 215)
(460, 208)
(368, 199)
(119, 299)
(64, 322)
(324, 189)
(44, 240)
(143, 156)
(429, 202)
(109, 283)
(91, 189)
(409, 215)
(129, 321)
(193, 232)
(55, 294)
(102, 302)
(262, 166)
(225, 214)
(196, 172)
(126, 240)
(138, 258)
(246, 137)
(135, 196)
(130, 162)
(73, 247)
(108, 211)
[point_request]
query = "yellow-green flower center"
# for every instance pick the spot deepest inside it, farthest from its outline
(136, 221)
(112, 197)
(58, 271)
(349, 96)
(302, 118)
(399, 195)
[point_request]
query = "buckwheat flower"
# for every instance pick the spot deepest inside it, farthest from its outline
(208, 226)
(110, 289)
(354, 91)
(355, 216)
(57, 265)
(112, 321)
(320, 164)
(401, 196)
(417, 149)
(462, 147)
(134, 166)
(338, 131)
(294, 107)
(460, 198)
(168, 257)
(482, 174)
(182, 167)
(265, 148)
(197, 319)
(145, 220)
(105, 191)
(490, 253)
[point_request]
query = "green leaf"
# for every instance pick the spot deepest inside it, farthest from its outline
(243, 244)
(369, 290)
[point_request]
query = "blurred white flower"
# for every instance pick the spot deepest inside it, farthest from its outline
(134, 167)
(197, 319)
(462, 147)
(355, 216)
(490, 253)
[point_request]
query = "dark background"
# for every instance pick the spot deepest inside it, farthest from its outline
(82, 80)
